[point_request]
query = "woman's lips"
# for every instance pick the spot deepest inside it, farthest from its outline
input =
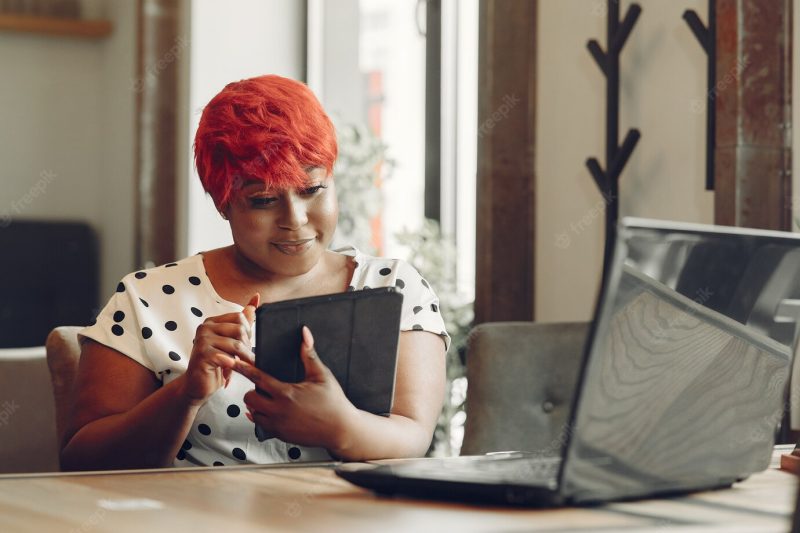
(293, 247)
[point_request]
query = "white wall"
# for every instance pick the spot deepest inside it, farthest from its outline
(230, 41)
(663, 80)
(66, 108)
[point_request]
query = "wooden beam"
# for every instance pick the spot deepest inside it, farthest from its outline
(505, 189)
(753, 102)
(65, 27)
(160, 47)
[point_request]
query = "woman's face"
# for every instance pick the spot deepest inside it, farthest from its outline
(284, 232)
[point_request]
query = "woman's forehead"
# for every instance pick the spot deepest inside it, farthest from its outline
(254, 183)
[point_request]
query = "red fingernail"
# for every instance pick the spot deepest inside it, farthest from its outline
(249, 416)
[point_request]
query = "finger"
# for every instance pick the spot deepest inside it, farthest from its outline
(236, 328)
(258, 402)
(228, 318)
(260, 379)
(252, 305)
(234, 348)
(315, 369)
(250, 314)
(213, 357)
(227, 348)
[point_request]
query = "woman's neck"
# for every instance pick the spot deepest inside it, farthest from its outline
(239, 276)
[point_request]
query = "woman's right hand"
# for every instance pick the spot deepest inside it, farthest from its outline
(217, 342)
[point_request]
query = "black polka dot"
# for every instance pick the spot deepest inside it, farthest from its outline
(239, 454)
(350, 288)
(385, 271)
(417, 309)
(117, 330)
(400, 283)
(147, 333)
(425, 283)
(366, 287)
(233, 411)
(121, 287)
(196, 312)
(294, 453)
(204, 429)
(217, 463)
(194, 280)
(168, 371)
(181, 455)
(416, 327)
(171, 325)
(434, 308)
(171, 265)
(140, 275)
(355, 264)
(144, 303)
(174, 356)
(119, 316)
(168, 289)
(186, 445)
(443, 334)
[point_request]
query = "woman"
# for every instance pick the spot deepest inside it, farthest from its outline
(166, 374)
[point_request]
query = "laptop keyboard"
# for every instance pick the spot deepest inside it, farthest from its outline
(518, 470)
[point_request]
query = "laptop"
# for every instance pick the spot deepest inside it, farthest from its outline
(682, 384)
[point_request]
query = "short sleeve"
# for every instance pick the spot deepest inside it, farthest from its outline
(420, 304)
(117, 325)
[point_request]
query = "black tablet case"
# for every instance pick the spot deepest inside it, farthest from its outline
(355, 334)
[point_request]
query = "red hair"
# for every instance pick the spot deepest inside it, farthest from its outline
(267, 128)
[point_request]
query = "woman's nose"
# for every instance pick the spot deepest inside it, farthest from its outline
(293, 215)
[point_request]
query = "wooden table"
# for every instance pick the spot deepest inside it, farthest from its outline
(233, 499)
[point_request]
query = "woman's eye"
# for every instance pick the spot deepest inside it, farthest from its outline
(261, 201)
(313, 190)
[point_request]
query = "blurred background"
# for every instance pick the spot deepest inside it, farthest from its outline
(100, 100)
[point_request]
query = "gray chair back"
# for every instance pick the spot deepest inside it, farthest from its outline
(520, 380)
(27, 430)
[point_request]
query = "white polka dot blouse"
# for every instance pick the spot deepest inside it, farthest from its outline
(152, 319)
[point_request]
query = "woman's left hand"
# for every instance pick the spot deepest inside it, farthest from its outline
(313, 412)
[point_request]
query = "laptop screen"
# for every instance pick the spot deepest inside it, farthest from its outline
(685, 377)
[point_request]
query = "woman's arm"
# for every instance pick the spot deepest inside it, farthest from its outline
(121, 417)
(418, 398)
(315, 412)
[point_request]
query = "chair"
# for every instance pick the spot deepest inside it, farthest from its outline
(63, 354)
(48, 277)
(520, 380)
(27, 434)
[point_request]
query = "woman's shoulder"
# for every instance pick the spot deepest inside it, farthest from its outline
(372, 271)
(191, 264)
(168, 278)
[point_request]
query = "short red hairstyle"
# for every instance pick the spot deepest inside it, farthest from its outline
(267, 128)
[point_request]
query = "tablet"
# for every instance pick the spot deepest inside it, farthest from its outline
(356, 335)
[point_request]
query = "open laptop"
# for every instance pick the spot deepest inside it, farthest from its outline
(682, 384)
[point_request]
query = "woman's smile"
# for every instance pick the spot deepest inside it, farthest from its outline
(293, 247)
